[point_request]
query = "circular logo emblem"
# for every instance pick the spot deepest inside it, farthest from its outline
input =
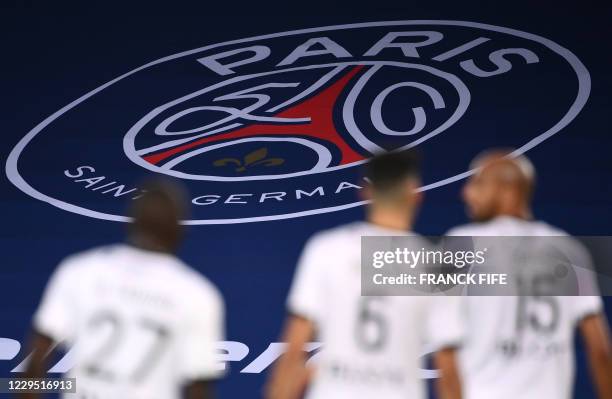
(276, 126)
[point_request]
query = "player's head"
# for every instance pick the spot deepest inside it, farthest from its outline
(501, 185)
(156, 215)
(393, 179)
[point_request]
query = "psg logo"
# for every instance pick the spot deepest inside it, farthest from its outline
(276, 126)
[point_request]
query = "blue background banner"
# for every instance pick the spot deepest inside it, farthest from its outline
(55, 54)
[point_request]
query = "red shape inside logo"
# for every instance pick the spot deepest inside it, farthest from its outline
(318, 108)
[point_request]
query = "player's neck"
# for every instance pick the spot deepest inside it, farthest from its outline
(517, 212)
(147, 243)
(390, 218)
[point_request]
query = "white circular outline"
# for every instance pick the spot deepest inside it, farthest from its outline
(584, 88)
(463, 94)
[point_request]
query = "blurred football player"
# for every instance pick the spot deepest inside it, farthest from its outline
(141, 323)
(371, 345)
(523, 346)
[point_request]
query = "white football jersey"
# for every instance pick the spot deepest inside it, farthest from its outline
(520, 347)
(372, 346)
(140, 324)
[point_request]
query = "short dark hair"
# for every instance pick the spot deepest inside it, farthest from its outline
(388, 170)
(160, 209)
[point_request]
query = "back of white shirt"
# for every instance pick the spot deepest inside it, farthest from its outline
(520, 347)
(140, 324)
(371, 345)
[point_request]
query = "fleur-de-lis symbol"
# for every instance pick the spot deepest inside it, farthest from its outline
(257, 157)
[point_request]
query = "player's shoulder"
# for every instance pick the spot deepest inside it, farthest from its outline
(470, 229)
(86, 259)
(193, 284)
(507, 226)
(335, 237)
(546, 229)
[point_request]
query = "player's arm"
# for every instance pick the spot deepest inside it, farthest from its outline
(41, 348)
(448, 385)
(204, 328)
(446, 331)
(202, 389)
(596, 338)
(290, 374)
(53, 322)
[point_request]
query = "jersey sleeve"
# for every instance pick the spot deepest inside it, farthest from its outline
(202, 332)
(445, 322)
(589, 302)
(586, 306)
(460, 231)
(56, 313)
(305, 296)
